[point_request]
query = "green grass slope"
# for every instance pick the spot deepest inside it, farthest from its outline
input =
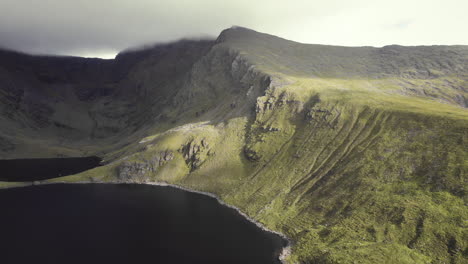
(359, 155)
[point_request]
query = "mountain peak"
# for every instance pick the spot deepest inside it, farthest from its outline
(238, 33)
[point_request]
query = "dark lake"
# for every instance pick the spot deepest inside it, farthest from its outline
(41, 169)
(109, 223)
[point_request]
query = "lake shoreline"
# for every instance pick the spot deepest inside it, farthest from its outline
(286, 251)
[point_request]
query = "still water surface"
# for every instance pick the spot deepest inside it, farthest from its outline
(109, 223)
(21, 170)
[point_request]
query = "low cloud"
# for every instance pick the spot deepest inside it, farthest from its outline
(102, 28)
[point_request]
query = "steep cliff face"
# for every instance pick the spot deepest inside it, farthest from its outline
(356, 154)
(58, 101)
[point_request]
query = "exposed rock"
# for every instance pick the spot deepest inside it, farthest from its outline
(204, 143)
(141, 170)
(264, 104)
(251, 154)
(92, 99)
(131, 171)
(166, 156)
(323, 117)
(323, 163)
(195, 153)
(270, 128)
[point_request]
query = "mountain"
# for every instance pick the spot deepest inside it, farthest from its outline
(357, 154)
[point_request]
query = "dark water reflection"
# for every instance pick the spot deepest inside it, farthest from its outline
(106, 223)
(41, 169)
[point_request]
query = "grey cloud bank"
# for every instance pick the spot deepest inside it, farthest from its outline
(102, 28)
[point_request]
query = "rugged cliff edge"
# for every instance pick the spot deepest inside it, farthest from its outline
(357, 154)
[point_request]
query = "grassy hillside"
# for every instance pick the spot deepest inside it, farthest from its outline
(359, 155)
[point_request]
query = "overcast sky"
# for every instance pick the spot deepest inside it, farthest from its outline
(101, 28)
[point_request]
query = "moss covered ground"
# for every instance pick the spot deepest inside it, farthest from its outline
(355, 160)
(349, 176)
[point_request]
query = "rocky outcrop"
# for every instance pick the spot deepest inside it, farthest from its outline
(308, 141)
(195, 153)
(264, 104)
(142, 169)
(134, 170)
(251, 154)
(321, 117)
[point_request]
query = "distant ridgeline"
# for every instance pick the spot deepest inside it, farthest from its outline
(358, 154)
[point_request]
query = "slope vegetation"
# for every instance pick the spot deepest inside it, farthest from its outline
(357, 154)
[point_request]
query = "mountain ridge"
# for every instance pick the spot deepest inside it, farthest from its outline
(356, 154)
